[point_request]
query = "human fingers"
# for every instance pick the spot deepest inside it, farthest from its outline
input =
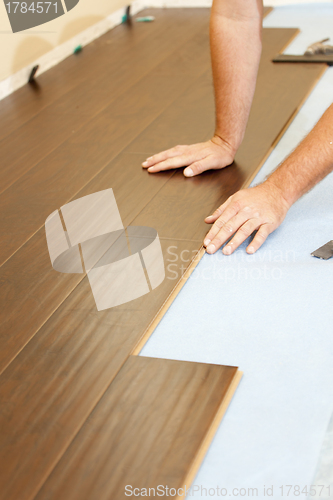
(260, 237)
(212, 218)
(199, 166)
(241, 235)
(175, 162)
(163, 155)
(223, 223)
(229, 228)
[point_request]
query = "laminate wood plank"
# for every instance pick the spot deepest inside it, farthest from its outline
(154, 418)
(58, 378)
(27, 311)
(37, 138)
(83, 69)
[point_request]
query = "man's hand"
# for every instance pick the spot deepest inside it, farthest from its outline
(260, 208)
(213, 154)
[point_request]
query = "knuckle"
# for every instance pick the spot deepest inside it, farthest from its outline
(217, 242)
(219, 223)
(236, 205)
(261, 235)
(245, 231)
(197, 166)
(228, 228)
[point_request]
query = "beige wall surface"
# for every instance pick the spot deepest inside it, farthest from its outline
(18, 50)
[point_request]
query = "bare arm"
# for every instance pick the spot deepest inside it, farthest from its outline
(235, 39)
(264, 207)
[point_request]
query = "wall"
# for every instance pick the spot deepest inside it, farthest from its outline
(19, 50)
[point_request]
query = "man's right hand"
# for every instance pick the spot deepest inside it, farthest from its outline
(213, 154)
(261, 208)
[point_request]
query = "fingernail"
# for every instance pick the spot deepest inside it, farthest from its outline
(211, 248)
(150, 169)
(145, 163)
(227, 250)
(250, 250)
(209, 217)
(188, 172)
(150, 157)
(206, 242)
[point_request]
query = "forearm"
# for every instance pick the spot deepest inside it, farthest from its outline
(311, 161)
(235, 39)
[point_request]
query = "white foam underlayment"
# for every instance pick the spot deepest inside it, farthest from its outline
(64, 50)
(270, 314)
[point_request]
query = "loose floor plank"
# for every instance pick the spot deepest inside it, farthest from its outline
(51, 387)
(154, 419)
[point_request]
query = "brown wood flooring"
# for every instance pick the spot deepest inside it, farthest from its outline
(88, 126)
(145, 448)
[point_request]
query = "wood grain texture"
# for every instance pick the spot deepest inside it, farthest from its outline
(62, 354)
(107, 119)
(86, 71)
(154, 418)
